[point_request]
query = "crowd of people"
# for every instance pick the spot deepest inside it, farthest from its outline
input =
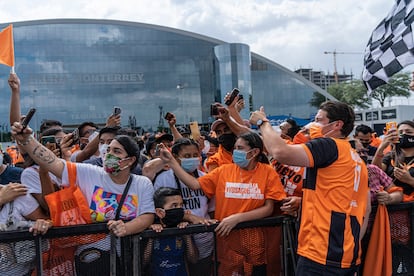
(327, 174)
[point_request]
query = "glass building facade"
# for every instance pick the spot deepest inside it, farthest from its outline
(76, 70)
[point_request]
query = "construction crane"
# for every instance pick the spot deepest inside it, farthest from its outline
(334, 53)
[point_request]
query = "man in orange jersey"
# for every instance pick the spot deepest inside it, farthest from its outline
(335, 191)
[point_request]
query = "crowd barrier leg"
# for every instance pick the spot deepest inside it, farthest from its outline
(288, 247)
(113, 256)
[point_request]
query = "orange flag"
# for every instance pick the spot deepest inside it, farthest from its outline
(7, 46)
(379, 254)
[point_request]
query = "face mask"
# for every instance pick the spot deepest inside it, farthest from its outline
(365, 145)
(190, 164)
(239, 158)
(300, 138)
(227, 141)
(173, 217)
(102, 150)
(111, 164)
(316, 130)
(406, 141)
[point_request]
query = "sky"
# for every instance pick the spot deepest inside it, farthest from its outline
(293, 33)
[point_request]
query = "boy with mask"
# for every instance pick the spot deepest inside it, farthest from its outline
(169, 255)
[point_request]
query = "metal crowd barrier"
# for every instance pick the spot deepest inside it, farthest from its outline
(401, 225)
(131, 261)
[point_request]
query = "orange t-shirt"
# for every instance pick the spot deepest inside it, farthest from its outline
(335, 195)
(238, 190)
(221, 157)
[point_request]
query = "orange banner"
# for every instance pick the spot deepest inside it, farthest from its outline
(7, 46)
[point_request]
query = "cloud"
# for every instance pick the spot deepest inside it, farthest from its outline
(294, 33)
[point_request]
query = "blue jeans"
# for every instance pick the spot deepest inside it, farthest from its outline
(306, 267)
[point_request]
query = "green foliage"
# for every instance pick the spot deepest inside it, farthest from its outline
(355, 94)
(397, 86)
(352, 93)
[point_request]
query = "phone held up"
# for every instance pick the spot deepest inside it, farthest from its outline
(214, 110)
(75, 136)
(28, 117)
(157, 150)
(49, 142)
(195, 131)
(233, 95)
(117, 110)
(168, 116)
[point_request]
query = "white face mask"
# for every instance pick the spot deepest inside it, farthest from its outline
(103, 148)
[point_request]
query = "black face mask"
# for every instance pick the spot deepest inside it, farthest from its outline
(173, 217)
(227, 141)
(406, 141)
(365, 145)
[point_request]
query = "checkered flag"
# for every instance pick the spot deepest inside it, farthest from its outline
(390, 47)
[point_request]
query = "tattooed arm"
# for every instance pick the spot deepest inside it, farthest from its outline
(39, 153)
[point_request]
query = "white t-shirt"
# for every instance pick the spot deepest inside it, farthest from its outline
(103, 195)
(16, 258)
(30, 178)
(197, 202)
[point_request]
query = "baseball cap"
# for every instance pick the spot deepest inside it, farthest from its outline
(216, 123)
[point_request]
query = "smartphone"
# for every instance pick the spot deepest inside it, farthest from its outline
(195, 131)
(214, 110)
(241, 97)
(49, 142)
(75, 136)
(390, 125)
(168, 116)
(233, 95)
(117, 110)
(157, 150)
(28, 117)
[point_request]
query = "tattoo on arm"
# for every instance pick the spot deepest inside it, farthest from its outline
(44, 154)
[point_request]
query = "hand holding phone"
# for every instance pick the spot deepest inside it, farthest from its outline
(233, 95)
(28, 117)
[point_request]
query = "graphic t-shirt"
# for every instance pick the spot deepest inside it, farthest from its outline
(103, 195)
(168, 257)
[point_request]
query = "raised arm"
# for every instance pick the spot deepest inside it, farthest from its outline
(276, 146)
(39, 153)
(15, 113)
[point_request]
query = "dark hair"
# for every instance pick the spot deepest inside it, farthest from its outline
(127, 131)
(51, 131)
(130, 147)
(162, 193)
(364, 129)
(255, 142)
(340, 111)
(83, 125)
(113, 130)
(292, 131)
(46, 124)
(179, 143)
(407, 122)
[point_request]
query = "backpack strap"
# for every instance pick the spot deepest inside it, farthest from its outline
(124, 194)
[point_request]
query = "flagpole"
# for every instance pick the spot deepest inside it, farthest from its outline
(12, 70)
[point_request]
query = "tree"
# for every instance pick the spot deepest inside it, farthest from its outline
(352, 93)
(397, 86)
(355, 94)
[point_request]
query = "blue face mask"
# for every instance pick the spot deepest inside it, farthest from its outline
(190, 164)
(239, 158)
